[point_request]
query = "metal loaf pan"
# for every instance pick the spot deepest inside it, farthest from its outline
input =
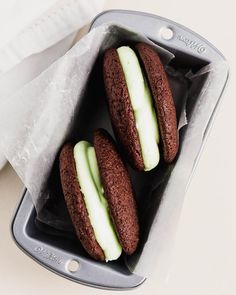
(55, 253)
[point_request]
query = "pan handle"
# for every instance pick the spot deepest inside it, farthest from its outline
(70, 265)
(163, 31)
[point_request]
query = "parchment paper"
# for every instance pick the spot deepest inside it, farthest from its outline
(67, 101)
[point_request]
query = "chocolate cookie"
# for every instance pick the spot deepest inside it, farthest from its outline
(162, 95)
(121, 111)
(99, 197)
(140, 104)
(118, 191)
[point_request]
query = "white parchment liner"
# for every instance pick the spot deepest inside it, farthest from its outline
(35, 122)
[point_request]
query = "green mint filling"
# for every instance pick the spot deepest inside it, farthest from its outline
(96, 204)
(142, 104)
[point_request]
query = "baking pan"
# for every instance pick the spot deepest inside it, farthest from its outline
(55, 252)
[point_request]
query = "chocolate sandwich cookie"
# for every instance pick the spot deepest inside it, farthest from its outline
(99, 197)
(140, 100)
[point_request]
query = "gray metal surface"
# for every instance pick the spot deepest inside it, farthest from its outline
(55, 253)
(184, 40)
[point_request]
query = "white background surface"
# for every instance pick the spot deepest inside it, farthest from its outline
(205, 253)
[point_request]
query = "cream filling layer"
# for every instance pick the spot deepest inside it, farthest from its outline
(142, 104)
(96, 204)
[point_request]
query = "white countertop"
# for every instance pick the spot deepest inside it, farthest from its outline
(205, 256)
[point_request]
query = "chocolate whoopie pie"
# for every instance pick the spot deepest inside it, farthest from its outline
(99, 197)
(140, 104)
